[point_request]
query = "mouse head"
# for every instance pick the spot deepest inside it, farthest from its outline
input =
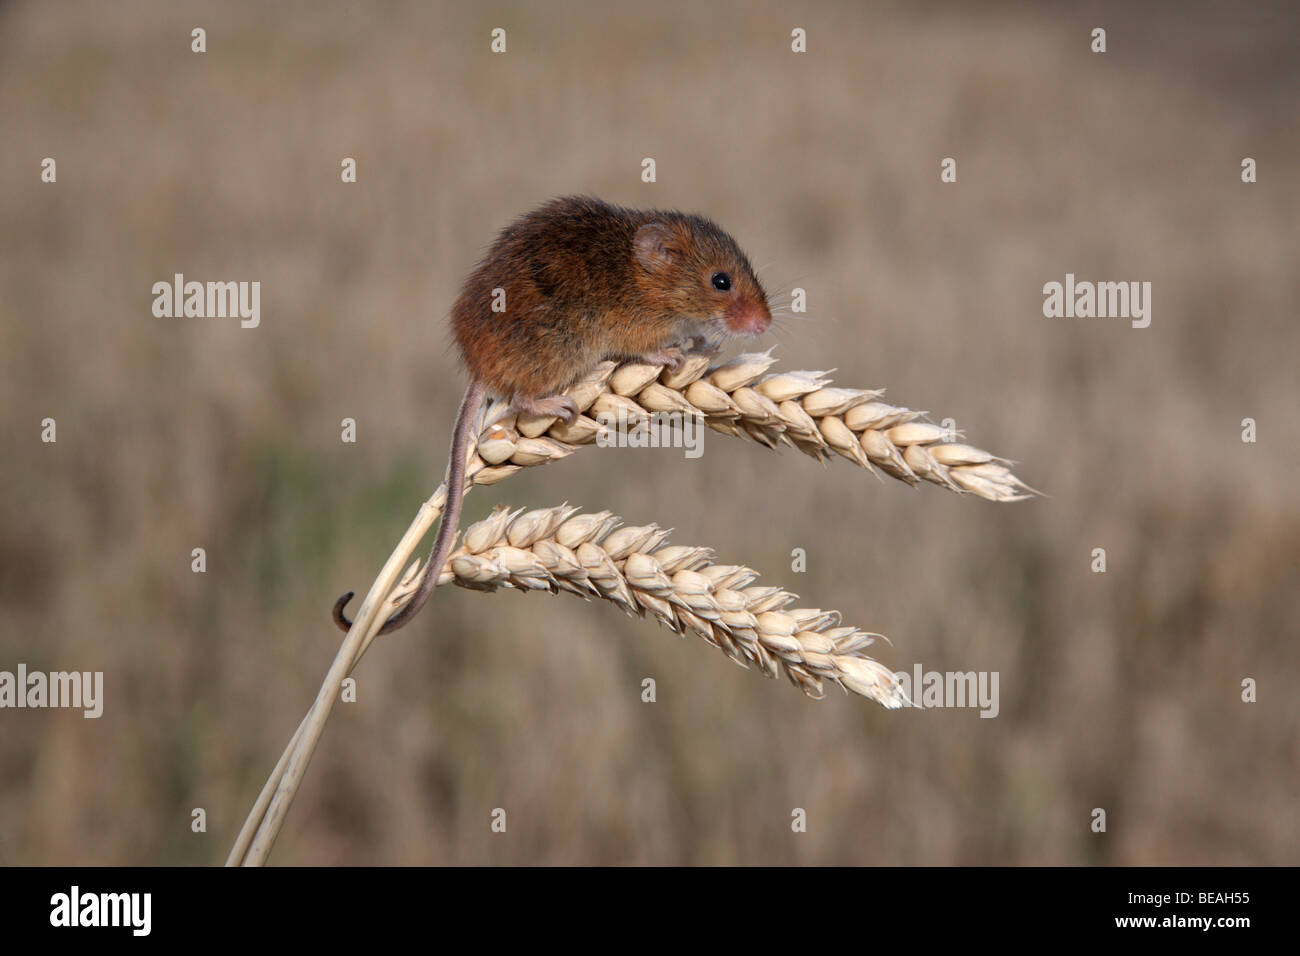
(693, 270)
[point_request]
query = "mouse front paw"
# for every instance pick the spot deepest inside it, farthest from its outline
(670, 358)
(703, 345)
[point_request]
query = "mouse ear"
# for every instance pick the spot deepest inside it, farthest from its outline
(656, 247)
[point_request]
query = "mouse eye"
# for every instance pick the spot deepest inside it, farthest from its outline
(721, 281)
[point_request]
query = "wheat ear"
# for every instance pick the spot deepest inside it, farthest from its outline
(743, 399)
(681, 587)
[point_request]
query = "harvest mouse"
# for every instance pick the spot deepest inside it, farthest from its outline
(583, 281)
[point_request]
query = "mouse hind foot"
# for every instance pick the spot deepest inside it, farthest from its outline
(557, 406)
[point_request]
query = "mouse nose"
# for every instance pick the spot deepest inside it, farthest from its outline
(749, 318)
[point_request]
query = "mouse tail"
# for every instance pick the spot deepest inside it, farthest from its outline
(447, 526)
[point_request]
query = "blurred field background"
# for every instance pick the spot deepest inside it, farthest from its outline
(1119, 691)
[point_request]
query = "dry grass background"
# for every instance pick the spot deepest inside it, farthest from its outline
(1117, 690)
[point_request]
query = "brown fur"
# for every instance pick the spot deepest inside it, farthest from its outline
(575, 294)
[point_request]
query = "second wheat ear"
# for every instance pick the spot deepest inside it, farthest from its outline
(682, 587)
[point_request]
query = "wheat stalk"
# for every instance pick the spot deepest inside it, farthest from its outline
(256, 837)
